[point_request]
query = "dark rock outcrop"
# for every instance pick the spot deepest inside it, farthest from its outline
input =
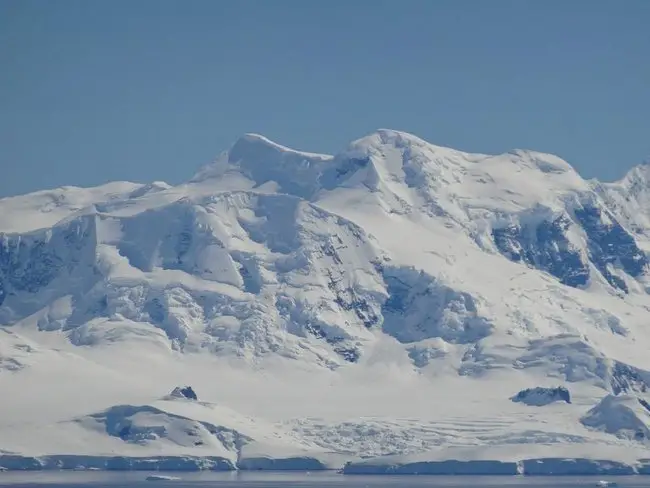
(539, 396)
(184, 392)
(610, 244)
(545, 247)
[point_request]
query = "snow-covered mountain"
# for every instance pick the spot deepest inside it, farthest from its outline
(390, 299)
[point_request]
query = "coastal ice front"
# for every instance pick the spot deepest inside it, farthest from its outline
(398, 307)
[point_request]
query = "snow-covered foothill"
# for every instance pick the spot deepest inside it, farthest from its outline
(626, 416)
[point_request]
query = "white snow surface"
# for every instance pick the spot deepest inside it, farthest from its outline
(327, 309)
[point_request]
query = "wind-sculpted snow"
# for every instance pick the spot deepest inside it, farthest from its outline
(390, 299)
(262, 161)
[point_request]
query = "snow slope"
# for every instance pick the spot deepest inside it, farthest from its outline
(388, 300)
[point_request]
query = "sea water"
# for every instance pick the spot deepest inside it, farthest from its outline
(298, 480)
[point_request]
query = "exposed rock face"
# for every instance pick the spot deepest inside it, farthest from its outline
(539, 397)
(546, 245)
(184, 392)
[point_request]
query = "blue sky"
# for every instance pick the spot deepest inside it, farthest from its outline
(141, 90)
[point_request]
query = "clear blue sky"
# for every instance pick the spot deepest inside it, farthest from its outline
(141, 90)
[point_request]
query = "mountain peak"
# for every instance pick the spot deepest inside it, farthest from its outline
(258, 140)
(395, 138)
(261, 161)
(252, 143)
(256, 145)
(638, 172)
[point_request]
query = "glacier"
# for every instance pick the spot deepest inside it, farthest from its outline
(375, 311)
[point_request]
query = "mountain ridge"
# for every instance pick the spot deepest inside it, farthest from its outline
(416, 266)
(635, 173)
